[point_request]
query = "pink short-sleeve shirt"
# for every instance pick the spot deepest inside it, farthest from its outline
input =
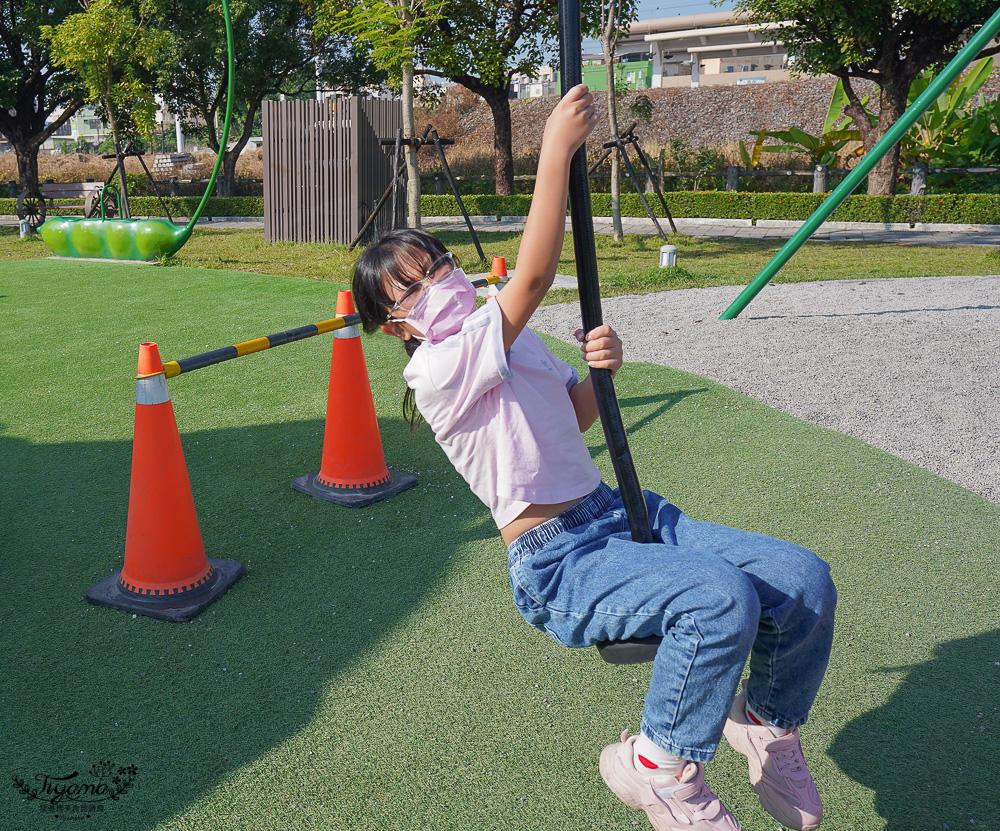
(504, 419)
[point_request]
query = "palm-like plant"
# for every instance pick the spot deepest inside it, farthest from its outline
(823, 149)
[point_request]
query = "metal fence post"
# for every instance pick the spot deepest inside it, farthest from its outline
(732, 178)
(820, 176)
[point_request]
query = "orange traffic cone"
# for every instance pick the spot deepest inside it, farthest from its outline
(499, 269)
(353, 470)
(166, 573)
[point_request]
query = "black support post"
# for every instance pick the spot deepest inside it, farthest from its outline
(571, 74)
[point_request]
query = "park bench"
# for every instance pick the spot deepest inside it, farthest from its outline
(34, 206)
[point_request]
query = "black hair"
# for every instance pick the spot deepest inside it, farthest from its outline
(401, 256)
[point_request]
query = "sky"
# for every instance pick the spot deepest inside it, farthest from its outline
(649, 9)
(668, 8)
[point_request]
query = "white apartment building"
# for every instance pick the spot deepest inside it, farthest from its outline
(684, 51)
(706, 49)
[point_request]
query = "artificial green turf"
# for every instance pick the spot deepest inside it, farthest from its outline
(370, 671)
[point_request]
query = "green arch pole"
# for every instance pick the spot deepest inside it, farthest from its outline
(571, 74)
(230, 92)
(896, 132)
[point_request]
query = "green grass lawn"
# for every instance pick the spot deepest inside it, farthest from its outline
(370, 670)
(629, 267)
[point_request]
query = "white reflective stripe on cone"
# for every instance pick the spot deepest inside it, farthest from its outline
(152, 390)
(348, 332)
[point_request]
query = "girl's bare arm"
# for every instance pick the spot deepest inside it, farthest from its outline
(566, 130)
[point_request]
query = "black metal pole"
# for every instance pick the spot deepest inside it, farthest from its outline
(620, 143)
(571, 74)
(156, 190)
(438, 141)
(629, 137)
(399, 165)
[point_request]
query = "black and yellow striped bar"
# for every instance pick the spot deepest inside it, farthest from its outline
(172, 369)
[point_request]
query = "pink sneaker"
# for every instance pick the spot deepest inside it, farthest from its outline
(778, 771)
(672, 804)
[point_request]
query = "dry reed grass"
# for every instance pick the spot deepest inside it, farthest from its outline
(77, 167)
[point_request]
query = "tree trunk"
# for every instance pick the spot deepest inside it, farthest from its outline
(126, 210)
(27, 166)
(412, 169)
(608, 39)
(25, 128)
(225, 185)
(499, 103)
(503, 148)
(892, 105)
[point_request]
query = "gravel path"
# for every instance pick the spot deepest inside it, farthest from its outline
(909, 365)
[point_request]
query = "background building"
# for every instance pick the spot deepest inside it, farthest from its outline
(681, 51)
(705, 49)
(84, 126)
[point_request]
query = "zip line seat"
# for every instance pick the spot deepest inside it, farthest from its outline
(632, 651)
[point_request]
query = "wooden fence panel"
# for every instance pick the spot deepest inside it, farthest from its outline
(325, 168)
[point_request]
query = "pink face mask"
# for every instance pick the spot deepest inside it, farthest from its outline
(443, 307)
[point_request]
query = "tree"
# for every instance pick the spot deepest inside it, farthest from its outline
(482, 45)
(614, 20)
(886, 42)
(111, 52)
(275, 54)
(32, 88)
(392, 30)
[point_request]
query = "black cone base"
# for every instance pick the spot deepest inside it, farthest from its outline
(177, 608)
(354, 497)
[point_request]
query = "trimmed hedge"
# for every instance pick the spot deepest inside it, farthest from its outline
(178, 205)
(709, 203)
(476, 205)
(959, 208)
(187, 205)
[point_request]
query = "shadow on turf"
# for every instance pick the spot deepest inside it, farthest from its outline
(190, 704)
(929, 753)
(664, 400)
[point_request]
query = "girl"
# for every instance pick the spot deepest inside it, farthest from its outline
(510, 415)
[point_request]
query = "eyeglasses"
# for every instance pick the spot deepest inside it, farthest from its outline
(436, 271)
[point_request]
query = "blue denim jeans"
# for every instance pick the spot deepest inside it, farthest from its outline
(715, 595)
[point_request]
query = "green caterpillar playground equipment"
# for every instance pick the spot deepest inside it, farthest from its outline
(137, 239)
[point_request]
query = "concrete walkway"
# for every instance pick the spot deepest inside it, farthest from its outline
(891, 233)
